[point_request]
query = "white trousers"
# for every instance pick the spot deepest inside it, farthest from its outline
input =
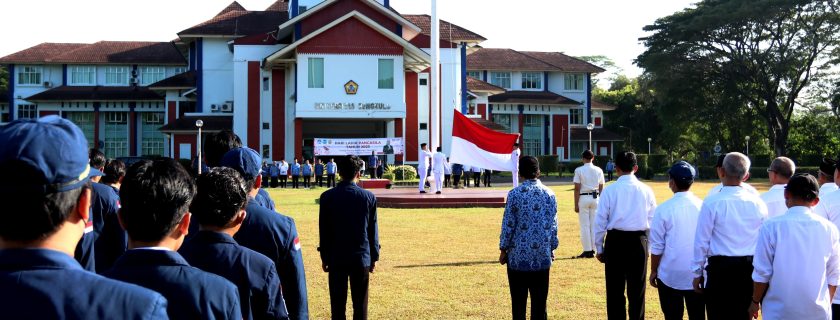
(421, 174)
(588, 206)
(515, 178)
(438, 180)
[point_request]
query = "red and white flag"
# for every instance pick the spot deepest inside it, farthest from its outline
(476, 145)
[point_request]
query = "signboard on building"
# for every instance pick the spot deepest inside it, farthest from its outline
(359, 147)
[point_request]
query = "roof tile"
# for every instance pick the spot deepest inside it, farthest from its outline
(505, 59)
(279, 5)
(239, 23)
(532, 97)
(233, 6)
(448, 31)
(564, 62)
(133, 52)
(476, 85)
(96, 93)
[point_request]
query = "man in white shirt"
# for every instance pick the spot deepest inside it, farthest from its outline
(727, 229)
(476, 176)
(719, 186)
(439, 165)
(467, 176)
(284, 173)
(423, 166)
(671, 243)
(780, 172)
(826, 177)
(624, 214)
(829, 208)
(514, 159)
(797, 259)
(589, 182)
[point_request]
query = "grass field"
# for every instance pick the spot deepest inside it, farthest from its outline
(443, 263)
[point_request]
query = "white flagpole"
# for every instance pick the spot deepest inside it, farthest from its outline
(434, 127)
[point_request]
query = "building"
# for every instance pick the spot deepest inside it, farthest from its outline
(301, 70)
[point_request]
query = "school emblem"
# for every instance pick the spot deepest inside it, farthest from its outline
(351, 87)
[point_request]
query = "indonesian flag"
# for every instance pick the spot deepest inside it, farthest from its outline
(476, 145)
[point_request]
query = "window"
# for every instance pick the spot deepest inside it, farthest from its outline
(266, 151)
(116, 134)
(575, 116)
(149, 75)
(574, 82)
(266, 126)
(27, 111)
(116, 75)
(474, 74)
(266, 84)
(316, 72)
(500, 79)
(502, 119)
(85, 75)
(532, 135)
(531, 80)
(152, 143)
(576, 149)
(302, 9)
(179, 70)
(386, 73)
(424, 126)
(85, 121)
(29, 75)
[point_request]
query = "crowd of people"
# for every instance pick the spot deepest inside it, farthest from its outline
(450, 175)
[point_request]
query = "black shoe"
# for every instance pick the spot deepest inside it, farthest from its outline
(422, 191)
(437, 192)
(583, 255)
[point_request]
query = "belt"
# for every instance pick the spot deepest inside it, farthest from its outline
(589, 193)
(723, 259)
(626, 233)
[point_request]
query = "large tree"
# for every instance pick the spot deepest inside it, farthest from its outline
(742, 58)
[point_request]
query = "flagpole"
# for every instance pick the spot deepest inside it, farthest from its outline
(434, 127)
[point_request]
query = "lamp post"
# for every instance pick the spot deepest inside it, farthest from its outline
(747, 138)
(198, 123)
(590, 126)
(649, 140)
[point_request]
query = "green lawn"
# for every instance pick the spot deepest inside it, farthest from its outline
(442, 263)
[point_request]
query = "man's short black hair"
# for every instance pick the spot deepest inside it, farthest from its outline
(719, 163)
(422, 145)
(31, 213)
(155, 195)
(97, 158)
(683, 185)
(803, 186)
(588, 155)
(114, 170)
(516, 144)
(529, 167)
(439, 149)
(348, 167)
(625, 160)
(219, 143)
(220, 195)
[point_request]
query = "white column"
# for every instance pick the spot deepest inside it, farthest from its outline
(390, 128)
(434, 126)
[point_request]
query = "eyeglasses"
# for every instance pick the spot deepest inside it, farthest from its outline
(771, 170)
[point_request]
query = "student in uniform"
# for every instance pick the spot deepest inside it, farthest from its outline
(423, 166)
(274, 173)
(610, 168)
(487, 174)
(45, 173)
(331, 170)
(349, 240)
(373, 163)
(797, 259)
(829, 208)
(215, 147)
(111, 240)
(439, 165)
(306, 172)
(780, 172)
(457, 171)
(219, 207)
(283, 166)
(467, 176)
(476, 175)
(271, 233)
(319, 172)
(155, 199)
(266, 168)
(589, 182)
(295, 172)
(826, 177)
(447, 174)
(514, 159)
(724, 242)
(86, 249)
(624, 214)
(671, 247)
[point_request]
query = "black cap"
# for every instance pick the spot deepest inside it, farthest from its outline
(827, 166)
(803, 186)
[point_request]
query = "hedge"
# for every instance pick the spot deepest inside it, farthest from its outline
(571, 166)
(390, 176)
(549, 163)
(402, 172)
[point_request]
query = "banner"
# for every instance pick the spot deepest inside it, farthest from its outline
(359, 147)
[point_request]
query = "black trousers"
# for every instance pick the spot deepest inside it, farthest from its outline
(319, 179)
(284, 180)
(359, 280)
(487, 174)
(729, 287)
(330, 180)
(306, 180)
(671, 300)
(446, 180)
(609, 175)
(295, 180)
(835, 312)
(467, 178)
(274, 182)
(522, 283)
(476, 179)
(456, 180)
(265, 181)
(626, 255)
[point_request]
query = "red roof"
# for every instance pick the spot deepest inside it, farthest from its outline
(133, 52)
(233, 6)
(96, 93)
(448, 31)
(532, 97)
(183, 80)
(476, 85)
(600, 105)
(279, 5)
(239, 23)
(509, 59)
(564, 62)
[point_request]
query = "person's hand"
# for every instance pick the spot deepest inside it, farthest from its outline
(577, 209)
(601, 258)
(698, 284)
(372, 266)
(653, 280)
(754, 308)
(325, 267)
(503, 257)
(552, 256)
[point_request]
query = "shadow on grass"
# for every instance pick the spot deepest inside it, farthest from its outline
(451, 264)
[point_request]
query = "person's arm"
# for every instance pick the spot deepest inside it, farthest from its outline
(759, 289)
(658, 231)
(508, 229)
(295, 289)
(702, 240)
(269, 299)
(602, 218)
(373, 233)
(577, 196)
(833, 263)
(552, 206)
(324, 234)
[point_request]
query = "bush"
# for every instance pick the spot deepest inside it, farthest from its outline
(403, 172)
(808, 160)
(707, 172)
(658, 163)
(601, 162)
(549, 164)
(761, 161)
(390, 176)
(758, 172)
(572, 165)
(814, 171)
(645, 172)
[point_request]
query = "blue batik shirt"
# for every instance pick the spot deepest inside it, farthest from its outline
(529, 227)
(296, 169)
(330, 167)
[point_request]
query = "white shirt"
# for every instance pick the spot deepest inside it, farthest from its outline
(672, 237)
(829, 207)
(284, 169)
(423, 158)
(476, 169)
(827, 188)
(716, 189)
(727, 226)
(627, 205)
(448, 168)
(798, 254)
(514, 157)
(775, 200)
(589, 176)
(439, 162)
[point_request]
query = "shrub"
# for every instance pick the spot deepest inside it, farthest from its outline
(601, 162)
(403, 172)
(390, 176)
(658, 163)
(707, 172)
(548, 164)
(761, 160)
(572, 165)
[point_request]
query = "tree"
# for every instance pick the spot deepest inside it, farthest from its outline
(750, 57)
(633, 115)
(4, 79)
(613, 70)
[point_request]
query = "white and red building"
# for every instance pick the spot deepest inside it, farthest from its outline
(302, 70)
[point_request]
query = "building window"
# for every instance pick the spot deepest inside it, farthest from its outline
(179, 70)
(116, 134)
(85, 121)
(474, 74)
(266, 151)
(266, 84)
(316, 72)
(266, 126)
(29, 75)
(576, 149)
(424, 126)
(302, 9)
(149, 75)
(574, 82)
(116, 75)
(386, 73)
(532, 138)
(27, 111)
(532, 80)
(502, 119)
(576, 117)
(500, 79)
(83, 75)
(152, 139)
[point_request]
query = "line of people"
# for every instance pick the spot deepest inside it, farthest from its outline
(446, 174)
(277, 174)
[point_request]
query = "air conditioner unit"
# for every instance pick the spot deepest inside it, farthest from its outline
(227, 107)
(47, 84)
(214, 107)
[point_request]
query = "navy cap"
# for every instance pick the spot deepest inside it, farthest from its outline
(245, 160)
(827, 166)
(54, 146)
(682, 171)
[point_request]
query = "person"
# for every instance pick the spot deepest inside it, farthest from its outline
(111, 240)
(780, 172)
(362, 170)
(373, 163)
(270, 233)
(155, 197)
(610, 168)
(486, 178)
(423, 166)
(826, 177)
(274, 173)
(589, 182)
(724, 242)
(388, 148)
(349, 240)
(319, 172)
(219, 207)
(85, 252)
(447, 174)
(797, 259)
(829, 208)
(380, 169)
(295, 172)
(528, 240)
(514, 156)
(266, 177)
(331, 170)
(45, 173)
(624, 215)
(284, 173)
(216, 145)
(306, 172)
(476, 175)
(467, 176)
(439, 165)
(457, 171)
(671, 247)
(717, 188)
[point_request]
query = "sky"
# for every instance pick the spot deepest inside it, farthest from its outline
(594, 27)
